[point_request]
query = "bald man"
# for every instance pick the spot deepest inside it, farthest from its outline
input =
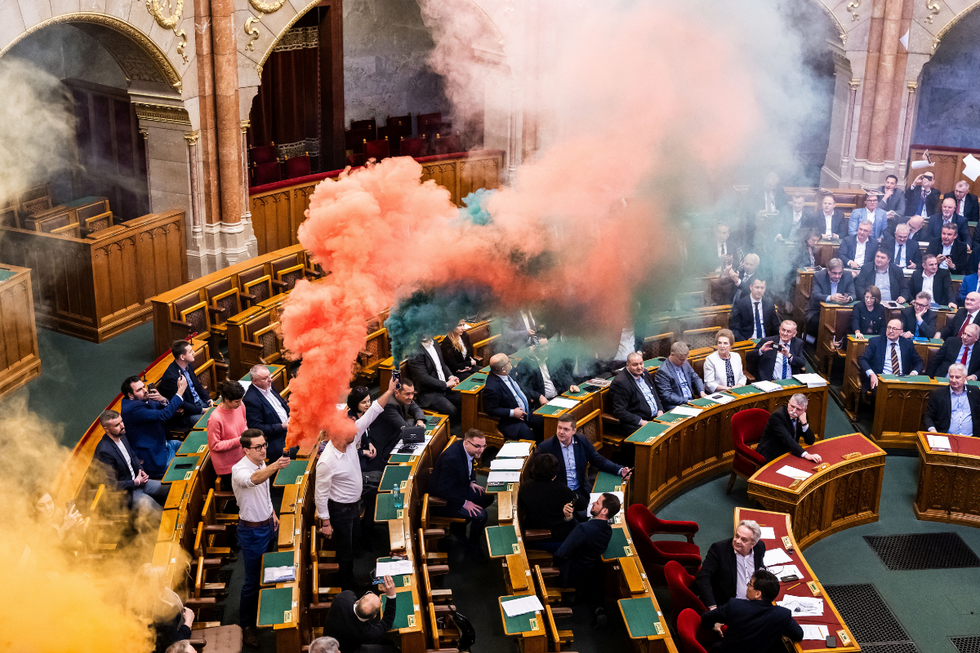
(355, 622)
(969, 314)
(892, 354)
(506, 400)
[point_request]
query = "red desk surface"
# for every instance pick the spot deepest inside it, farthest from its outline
(964, 445)
(830, 450)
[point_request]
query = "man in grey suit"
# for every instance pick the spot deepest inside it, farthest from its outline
(892, 198)
(830, 285)
(677, 382)
(877, 216)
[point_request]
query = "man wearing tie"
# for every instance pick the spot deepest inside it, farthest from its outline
(938, 283)
(955, 409)
(792, 224)
(960, 350)
(453, 479)
(634, 396)
(778, 357)
(753, 316)
(969, 314)
(676, 380)
(892, 354)
(919, 320)
(505, 399)
(830, 285)
(921, 198)
(785, 428)
(905, 254)
(876, 216)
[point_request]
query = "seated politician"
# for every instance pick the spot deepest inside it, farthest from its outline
(778, 357)
(506, 400)
(123, 470)
(458, 353)
(905, 252)
(804, 255)
(723, 367)
(969, 314)
(754, 316)
(872, 213)
(858, 250)
(892, 354)
(742, 279)
(918, 319)
(453, 480)
(947, 216)
(829, 221)
(543, 377)
(951, 252)
(145, 413)
(783, 431)
(755, 624)
(635, 400)
(196, 397)
(546, 501)
(892, 197)
(433, 381)
(933, 280)
(386, 429)
(729, 564)
(955, 409)
(830, 285)
(887, 278)
(968, 285)
(868, 317)
(266, 410)
(677, 382)
(957, 349)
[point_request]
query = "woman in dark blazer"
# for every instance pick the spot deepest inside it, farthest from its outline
(805, 255)
(457, 352)
(868, 317)
(543, 498)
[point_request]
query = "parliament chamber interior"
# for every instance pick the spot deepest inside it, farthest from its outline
(416, 325)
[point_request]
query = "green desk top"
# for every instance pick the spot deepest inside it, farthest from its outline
(275, 559)
(918, 378)
(548, 409)
(653, 362)
(584, 390)
(404, 580)
(293, 473)
(606, 482)
(275, 606)
(502, 541)
(394, 474)
(641, 617)
(181, 468)
(404, 615)
(384, 508)
(6, 274)
(975, 384)
(842, 304)
(788, 383)
(945, 380)
(957, 277)
(745, 391)
(202, 423)
(670, 417)
(499, 487)
(195, 442)
(522, 623)
(703, 403)
(400, 458)
(647, 433)
(473, 382)
(618, 547)
(272, 370)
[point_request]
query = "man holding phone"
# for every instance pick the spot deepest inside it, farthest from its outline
(779, 357)
(354, 622)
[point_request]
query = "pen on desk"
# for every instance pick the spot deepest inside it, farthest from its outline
(789, 588)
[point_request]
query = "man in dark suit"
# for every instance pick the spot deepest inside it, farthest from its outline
(950, 250)
(947, 215)
(934, 280)
(904, 253)
(520, 330)
(769, 198)
(739, 282)
(123, 470)
(778, 357)
(892, 197)
(917, 230)
(784, 429)
(921, 198)
(355, 622)
(386, 430)
(729, 564)
(543, 378)
(830, 285)
(955, 409)
(144, 413)
(575, 455)
(506, 400)
(889, 279)
(919, 320)
(434, 382)
(676, 380)
(969, 314)
(580, 555)
(634, 395)
(882, 354)
(266, 410)
(966, 202)
(754, 316)
(453, 480)
(792, 220)
(960, 350)
(196, 397)
(755, 624)
(829, 221)
(859, 249)
(970, 283)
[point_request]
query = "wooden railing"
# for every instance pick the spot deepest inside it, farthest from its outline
(19, 361)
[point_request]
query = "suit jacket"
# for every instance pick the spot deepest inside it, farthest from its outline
(821, 288)
(942, 286)
(949, 354)
(952, 327)
(765, 362)
(349, 631)
(453, 358)
(939, 410)
(498, 400)
(260, 415)
(719, 571)
(145, 425)
(423, 371)
(168, 385)
(386, 430)
(935, 227)
(968, 285)
(757, 626)
(971, 209)
(894, 203)
(585, 455)
(785, 224)
(755, 199)
(879, 218)
(742, 289)
(848, 250)
(896, 278)
(582, 551)
(542, 504)
(961, 257)
(868, 322)
(913, 253)
(873, 356)
(114, 465)
(742, 321)
(515, 335)
(629, 405)
(913, 201)
(838, 223)
(780, 437)
(925, 330)
(450, 479)
(528, 375)
(669, 386)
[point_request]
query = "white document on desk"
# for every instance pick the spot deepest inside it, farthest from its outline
(768, 386)
(523, 605)
(394, 568)
(506, 464)
(802, 606)
(721, 398)
(515, 450)
(775, 557)
(815, 632)
(768, 532)
(939, 443)
(689, 411)
(811, 380)
(793, 472)
(563, 402)
(786, 571)
(279, 574)
(495, 478)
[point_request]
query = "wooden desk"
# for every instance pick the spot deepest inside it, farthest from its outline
(842, 495)
(835, 322)
(19, 358)
(669, 457)
(899, 406)
(948, 481)
(808, 586)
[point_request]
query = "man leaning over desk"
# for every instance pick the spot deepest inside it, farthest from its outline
(784, 429)
(955, 409)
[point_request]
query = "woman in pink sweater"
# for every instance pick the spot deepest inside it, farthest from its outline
(225, 425)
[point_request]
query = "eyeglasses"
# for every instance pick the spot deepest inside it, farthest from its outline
(259, 447)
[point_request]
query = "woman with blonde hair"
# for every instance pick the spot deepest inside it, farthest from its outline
(160, 607)
(457, 352)
(723, 368)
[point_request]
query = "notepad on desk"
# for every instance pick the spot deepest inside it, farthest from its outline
(814, 632)
(775, 557)
(689, 411)
(768, 532)
(793, 472)
(939, 443)
(811, 380)
(767, 386)
(506, 464)
(279, 575)
(562, 402)
(394, 568)
(523, 605)
(515, 450)
(496, 478)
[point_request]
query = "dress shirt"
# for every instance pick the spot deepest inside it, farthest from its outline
(627, 343)
(516, 392)
(431, 350)
(528, 320)
(254, 502)
(828, 221)
(960, 207)
(960, 419)
(125, 455)
(745, 567)
(647, 394)
(947, 251)
(276, 406)
(833, 287)
(927, 285)
(190, 386)
(964, 351)
(770, 202)
(859, 248)
(568, 453)
(338, 477)
(550, 392)
(884, 283)
(682, 381)
(777, 369)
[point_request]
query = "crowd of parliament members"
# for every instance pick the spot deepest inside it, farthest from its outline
(246, 431)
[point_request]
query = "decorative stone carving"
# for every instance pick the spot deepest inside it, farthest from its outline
(933, 6)
(252, 31)
(167, 14)
(852, 8)
(163, 113)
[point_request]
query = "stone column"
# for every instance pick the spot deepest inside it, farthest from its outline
(167, 159)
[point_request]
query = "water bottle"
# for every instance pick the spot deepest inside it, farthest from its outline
(398, 496)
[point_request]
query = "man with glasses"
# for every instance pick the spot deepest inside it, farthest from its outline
(257, 522)
(872, 213)
(453, 480)
(919, 320)
(892, 354)
(506, 400)
(905, 252)
(921, 198)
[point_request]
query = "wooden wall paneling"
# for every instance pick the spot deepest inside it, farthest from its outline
(19, 358)
(948, 166)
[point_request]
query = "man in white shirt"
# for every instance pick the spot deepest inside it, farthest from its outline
(854, 249)
(257, 522)
(123, 469)
(434, 382)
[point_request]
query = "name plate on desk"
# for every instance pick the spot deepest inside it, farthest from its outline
(852, 455)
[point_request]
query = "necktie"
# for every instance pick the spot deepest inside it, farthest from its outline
(900, 257)
(895, 364)
(520, 395)
(966, 321)
(785, 367)
(758, 322)
(729, 373)
(966, 354)
(810, 252)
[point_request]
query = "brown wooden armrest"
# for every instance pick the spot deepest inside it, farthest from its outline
(561, 612)
(442, 650)
(433, 532)
(606, 417)
(278, 284)
(328, 566)
(197, 644)
(217, 309)
(319, 607)
(442, 609)
(215, 528)
(533, 534)
(550, 572)
(435, 570)
(247, 295)
(186, 325)
(190, 602)
(436, 501)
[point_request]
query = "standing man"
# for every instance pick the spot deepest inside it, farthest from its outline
(453, 480)
(892, 198)
(892, 354)
(729, 565)
(505, 399)
(905, 254)
(785, 428)
(792, 224)
(778, 357)
(266, 410)
(921, 198)
(754, 624)
(742, 280)
(872, 213)
(634, 395)
(145, 413)
(676, 380)
(196, 397)
(955, 409)
(966, 202)
(753, 316)
(257, 524)
(830, 285)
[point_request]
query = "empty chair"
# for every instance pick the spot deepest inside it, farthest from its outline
(377, 150)
(266, 173)
(747, 428)
(367, 125)
(428, 123)
(445, 144)
(263, 154)
(655, 554)
(393, 135)
(688, 622)
(354, 139)
(413, 147)
(298, 166)
(682, 596)
(401, 125)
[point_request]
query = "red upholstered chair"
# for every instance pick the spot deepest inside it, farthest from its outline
(266, 173)
(298, 166)
(413, 147)
(370, 125)
(377, 150)
(654, 555)
(747, 428)
(447, 144)
(681, 586)
(392, 134)
(427, 123)
(264, 153)
(688, 622)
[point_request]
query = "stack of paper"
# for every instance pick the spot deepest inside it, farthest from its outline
(802, 606)
(721, 398)
(688, 411)
(507, 464)
(814, 632)
(600, 383)
(811, 380)
(515, 450)
(523, 605)
(768, 533)
(563, 402)
(939, 443)
(394, 568)
(792, 472)
(499, 478)
(775, 557)
(279, 575)
(767, 386)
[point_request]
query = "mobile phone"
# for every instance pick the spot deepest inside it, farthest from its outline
(397, 376)
(831, 641)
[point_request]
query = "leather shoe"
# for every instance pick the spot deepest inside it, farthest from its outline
(250, 637)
